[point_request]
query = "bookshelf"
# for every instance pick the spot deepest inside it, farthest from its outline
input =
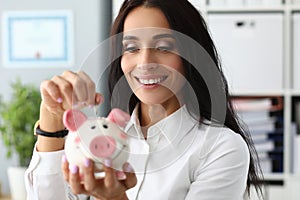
(287, 10)
(289, 93)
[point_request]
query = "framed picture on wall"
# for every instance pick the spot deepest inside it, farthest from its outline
(38, 39)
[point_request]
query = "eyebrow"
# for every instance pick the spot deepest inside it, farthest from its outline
(156, 37)
(166, 35)
(130, 37)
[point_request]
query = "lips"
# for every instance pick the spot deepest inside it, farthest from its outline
(151, 80)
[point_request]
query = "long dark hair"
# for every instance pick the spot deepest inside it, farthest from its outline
(185, 19)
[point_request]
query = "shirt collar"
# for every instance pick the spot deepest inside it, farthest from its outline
(174, 126)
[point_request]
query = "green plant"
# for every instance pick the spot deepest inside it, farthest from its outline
(17, 118)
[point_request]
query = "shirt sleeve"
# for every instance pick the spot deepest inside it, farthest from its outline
(44, 179)
(222, 174)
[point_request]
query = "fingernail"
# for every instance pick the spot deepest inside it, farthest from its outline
(73, 169)
(83, 103)
(121, 175)
(76, 106)
(87, 162)
(59, 100)
(128, 168)
(107, 162)
(99, 99)
(64, 159)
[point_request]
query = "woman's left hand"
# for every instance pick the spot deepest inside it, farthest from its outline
(110, 187)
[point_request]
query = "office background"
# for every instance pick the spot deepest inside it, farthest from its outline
(258, 41)
(91, 26)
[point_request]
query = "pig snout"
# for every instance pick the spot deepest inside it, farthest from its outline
(103, 146)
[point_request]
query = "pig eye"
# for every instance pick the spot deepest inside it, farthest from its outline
(105, 126)
(93, 127)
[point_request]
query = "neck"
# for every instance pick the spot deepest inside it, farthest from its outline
(150, 114)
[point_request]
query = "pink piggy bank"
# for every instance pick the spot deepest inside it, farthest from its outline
(96, 138)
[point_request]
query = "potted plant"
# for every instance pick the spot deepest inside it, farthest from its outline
(17, 118)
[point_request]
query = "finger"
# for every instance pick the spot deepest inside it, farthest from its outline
(99, 98)
(79, 87)
(74, 180)
(131, 179)
(65, 168)
(90, 86)
(110, 179)
(65, 89)
(88, 176)
(50, 92)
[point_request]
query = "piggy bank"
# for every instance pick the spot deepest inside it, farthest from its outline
(96, 138)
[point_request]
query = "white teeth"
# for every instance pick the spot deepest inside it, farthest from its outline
(151, 81)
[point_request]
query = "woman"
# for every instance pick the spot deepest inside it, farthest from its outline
(185, 140)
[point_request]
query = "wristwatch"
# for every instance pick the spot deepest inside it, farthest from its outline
(57, 134)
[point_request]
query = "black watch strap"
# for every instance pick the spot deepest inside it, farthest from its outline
(57, 134)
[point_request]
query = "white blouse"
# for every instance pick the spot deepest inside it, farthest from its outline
(180, 160)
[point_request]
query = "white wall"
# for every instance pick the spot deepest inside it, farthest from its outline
(92, 19)
(86, 28)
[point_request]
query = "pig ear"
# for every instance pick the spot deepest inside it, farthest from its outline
(73, 119)
(119, 117)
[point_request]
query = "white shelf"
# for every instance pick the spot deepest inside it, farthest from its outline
(287, 92)
(295, 8)
(289, 179)
(295, 177)
(274, 177)
(245, 9)
(259, 93)
(241, 9)
(295, 93)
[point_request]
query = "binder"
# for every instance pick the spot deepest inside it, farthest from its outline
(263, 117)
(296, 150)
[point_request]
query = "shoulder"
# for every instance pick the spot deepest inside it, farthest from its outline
(221, 163)
(222, 141)
(222, 151)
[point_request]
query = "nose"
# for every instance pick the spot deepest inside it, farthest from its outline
(147, 59)
(103, 146)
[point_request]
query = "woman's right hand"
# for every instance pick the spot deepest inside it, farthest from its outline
(60, 93)
(68, 90)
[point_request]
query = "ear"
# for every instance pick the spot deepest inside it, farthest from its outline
(118, 117)
(73, 119)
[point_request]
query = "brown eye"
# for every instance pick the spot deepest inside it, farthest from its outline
(165, 46)
(130, 48)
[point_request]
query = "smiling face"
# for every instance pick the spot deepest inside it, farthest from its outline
(150, 58)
